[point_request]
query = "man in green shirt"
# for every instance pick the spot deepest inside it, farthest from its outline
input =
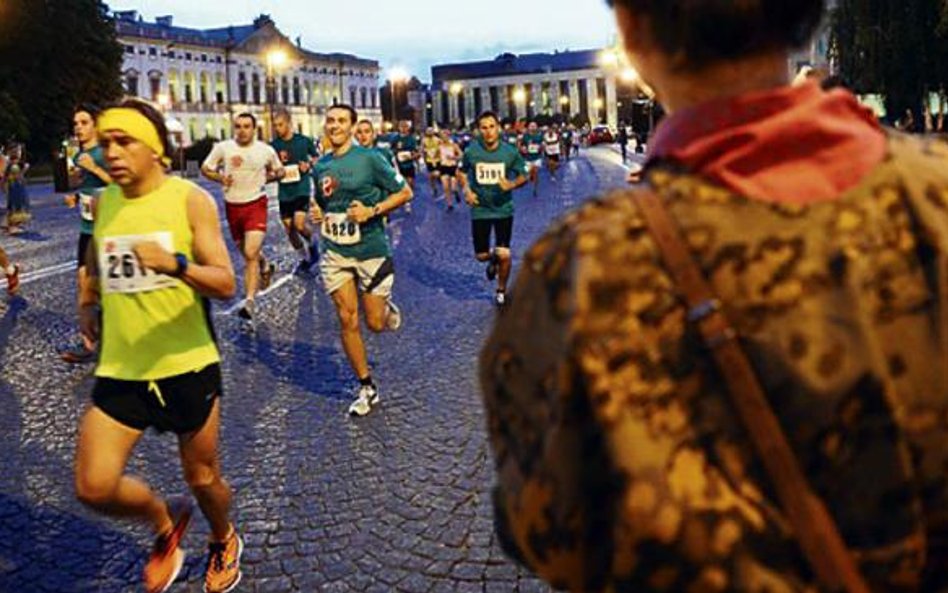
(532, 149)
(297, 153)
(490, 171)
(405, 148)
(355, 188)
(365, 136)
(89, 177)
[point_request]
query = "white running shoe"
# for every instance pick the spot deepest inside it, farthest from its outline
(368, 397)
(394, 319)
(500, 298)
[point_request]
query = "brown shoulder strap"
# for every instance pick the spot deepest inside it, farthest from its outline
(815, 530)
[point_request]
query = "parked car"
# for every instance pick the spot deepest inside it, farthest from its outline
(601, 135)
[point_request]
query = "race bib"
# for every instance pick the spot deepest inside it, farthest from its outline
(382, 144)
(86, 207)
(403, 156)
(552, 149)
(291, 174)
(533, 149)
(490, 173)
(340, 230)
(120, 270)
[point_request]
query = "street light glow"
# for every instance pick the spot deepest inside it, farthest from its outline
(520, 96)
(564, 100)
(397, 74)
(456, 88)
(598, 103)
(629, 74)
(276, 58)
(164, 101)
(609, 58)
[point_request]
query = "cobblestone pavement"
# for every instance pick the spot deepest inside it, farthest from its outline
(396, 501)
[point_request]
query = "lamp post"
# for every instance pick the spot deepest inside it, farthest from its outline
(275, 58)
(395, 75)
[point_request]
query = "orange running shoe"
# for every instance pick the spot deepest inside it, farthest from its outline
(167, 557)
(223, 564)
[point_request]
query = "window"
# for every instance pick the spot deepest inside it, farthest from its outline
(242, 87)
(188, 92)
(129, 49)
(364, 94)
(171, 54)
(187, 55)
(285, 91)
(256, 88)
(375, 97)
(352, 96)
(131, 84)
(203, 57)
(155, 87)
(478, 102)
(218, 59)
(296, 91)
(152, 51)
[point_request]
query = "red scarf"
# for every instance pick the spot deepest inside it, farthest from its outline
(791, 144)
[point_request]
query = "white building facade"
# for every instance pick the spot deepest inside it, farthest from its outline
(203, 78)
(580, 84)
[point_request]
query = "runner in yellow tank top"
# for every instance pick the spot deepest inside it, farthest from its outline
(157, 253)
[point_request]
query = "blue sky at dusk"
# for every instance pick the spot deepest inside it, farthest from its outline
(413, 34)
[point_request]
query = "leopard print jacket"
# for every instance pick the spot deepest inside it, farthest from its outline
(621, 465)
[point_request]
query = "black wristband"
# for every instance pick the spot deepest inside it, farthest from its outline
(183, 263)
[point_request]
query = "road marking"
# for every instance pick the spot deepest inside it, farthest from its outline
(260, 294)
(43, 273)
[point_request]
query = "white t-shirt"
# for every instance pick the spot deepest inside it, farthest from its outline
(248, 167)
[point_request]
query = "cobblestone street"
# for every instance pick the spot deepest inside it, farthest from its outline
(396, 501)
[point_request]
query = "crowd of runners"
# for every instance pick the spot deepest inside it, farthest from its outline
(151, 253)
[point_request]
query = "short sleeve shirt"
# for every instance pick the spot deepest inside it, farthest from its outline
(292, 152)
(360, 174)
(248, 167)
(484, 169)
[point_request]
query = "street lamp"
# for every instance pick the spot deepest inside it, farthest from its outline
(396, 75)
(520, 96)
(275, 58)
(164, 101)
(629, 75)
(609, 58)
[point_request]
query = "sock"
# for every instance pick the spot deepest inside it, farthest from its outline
(10, 270)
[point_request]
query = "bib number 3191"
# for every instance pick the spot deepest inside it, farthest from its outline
(120, 270)
(490, 173)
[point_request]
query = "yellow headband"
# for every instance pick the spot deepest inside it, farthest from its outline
(136, 125)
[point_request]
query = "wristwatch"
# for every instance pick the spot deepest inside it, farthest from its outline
(183, 263)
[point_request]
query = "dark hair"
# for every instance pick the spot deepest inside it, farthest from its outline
(484, 115)
(92, 110)
(346, 107)
(366, 121)
(701, 32)
(153, 115)
(282, 113)
(248, 115)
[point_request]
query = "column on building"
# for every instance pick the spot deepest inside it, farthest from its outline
(573, 97)
(592, 93)
(453, 116)
(503, 109)
(469, 114)
(612, 106)
(436, 111)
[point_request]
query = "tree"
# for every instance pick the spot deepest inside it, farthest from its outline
(54, 54)
(896, 48)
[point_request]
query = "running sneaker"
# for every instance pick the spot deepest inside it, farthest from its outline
(491, 270)
(166, 558)
(223, 564)
(246, 312)
(13, 280)
(368, 397)
(500, 298)
(394, 320)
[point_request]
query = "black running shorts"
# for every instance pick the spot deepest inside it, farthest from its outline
(289, 208)
(180, 404)
(481, 230)
(84, 240)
